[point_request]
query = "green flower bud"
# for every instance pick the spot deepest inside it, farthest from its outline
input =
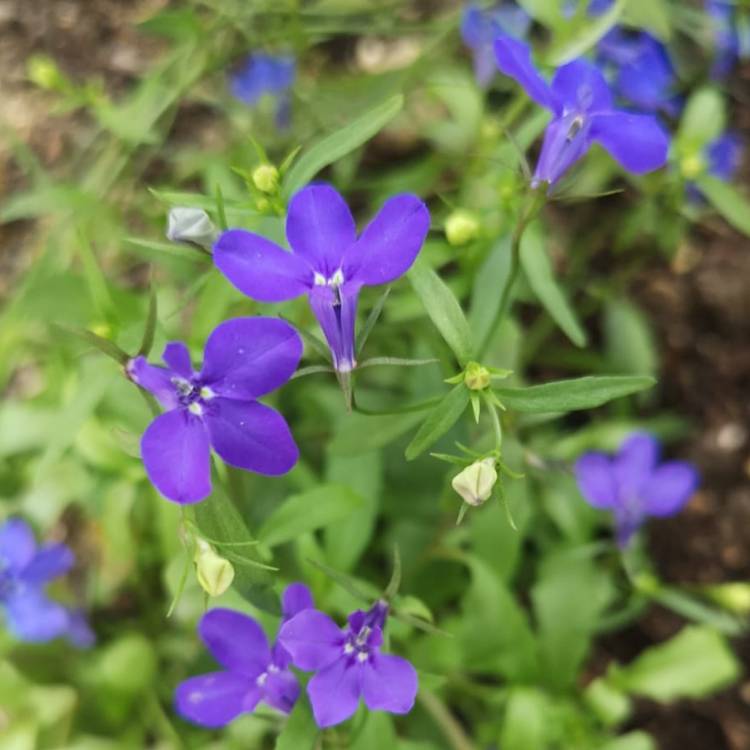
(475, 483)
(461, 227)
(44, 73)
(215, 574)
(191, 225)
(734, 597)
(692, 166)
(266, 178)
(476, 377)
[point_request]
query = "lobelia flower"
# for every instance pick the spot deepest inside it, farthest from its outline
(727, 41)
(481, 26)
(348, 664)
(633, 485)
(262, 74)
(25, 570)
(253, 671)
(328, 261)
(244, 358)
(721, 158)
(583, 113)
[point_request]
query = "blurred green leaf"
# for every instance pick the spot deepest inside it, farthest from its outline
(300, 731)
(631, 741)
(439, 421)
(630, 343)
(526, 722)
(703, 119)
(727, 200)
(361, 433)
(651, 15)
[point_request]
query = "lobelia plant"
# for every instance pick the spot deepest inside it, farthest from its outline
(265, 75)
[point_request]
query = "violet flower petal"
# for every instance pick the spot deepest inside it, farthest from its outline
(31, 616)
(514, 59)
(176, 455)
(17, 544)
(320, 227)
(635, 462)
(579, 85)
(596, 480)
(213, 700)
(560, 150)
(669, 488)
(334, 692)
(177, 358)
(296, 597)
(260, 268)
(313, 639)
(336, 312)
(156, 380)
(637, 142)
(50, 561)
(236, 641)
(389, 683)
(248, 357)
(390, 242)
(281, 690)
(251, 436)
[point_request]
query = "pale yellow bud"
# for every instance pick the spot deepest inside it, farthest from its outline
(733, 596)
(266, 178)
(476, 376)
(215, 574)
(475, 483)
(461, 227)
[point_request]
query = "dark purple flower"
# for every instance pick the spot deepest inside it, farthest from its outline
(724, 156)
(25, 570)
(253, 672)
(581, 103)
(481, 26)
(633, 485)
(329, 262)
(348, 664)
(244, 358)
(265, 74)
(726, 38)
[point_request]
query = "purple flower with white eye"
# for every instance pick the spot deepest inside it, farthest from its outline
(348, 664)
(25, 570)
(261, 75)
(253, 671)
(481, 26)
(329, 262)
(633, 485)
(244, 358)
(583, 113)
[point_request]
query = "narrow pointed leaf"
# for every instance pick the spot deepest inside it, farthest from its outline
(439, 421)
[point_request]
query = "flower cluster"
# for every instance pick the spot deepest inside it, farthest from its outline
(25, 571)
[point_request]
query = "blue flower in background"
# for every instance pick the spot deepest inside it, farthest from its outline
(726, 36)
(721, 158)
(480, 27)
(265, 74)
(25, 570)
(583, 113)
(633, 485)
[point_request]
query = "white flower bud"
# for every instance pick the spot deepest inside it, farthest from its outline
(461, 227)
(476, 481)
(191, 225)
(215, 574)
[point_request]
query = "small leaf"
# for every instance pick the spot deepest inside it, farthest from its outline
(300, 731)
(332, 147)
(704, 118)
(103, 345)
(308, 511)
(572, 395)
(443, 308)
(727, 200)
(149, 329)
(538, 269)
(439, 421)
(372, 319)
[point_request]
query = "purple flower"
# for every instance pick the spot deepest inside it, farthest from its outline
(216, 408)
(25, 570)
(265, 74)
(724, 156)
(329, 262)
(480, 27)
(348, 664)
(583, 113)
(633, 485)
(726, 37)
(253, 672)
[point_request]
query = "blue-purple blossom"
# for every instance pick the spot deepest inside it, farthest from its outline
(349, 665)
(727, 43)
(724, 155)
(328, 261)
(583, 113)
(217, 407)
(262, 74)
(25, 571)
(253, 672)
(633, 485)
(481, 26)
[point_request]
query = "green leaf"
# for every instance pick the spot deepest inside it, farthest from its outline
(651, 15)
(490, 277)
(439, 421)
(704, 118)
(572, 395)
(526, 722)
(377, 733)
(698, 661)
(699, 611)
(538, 269)
(630, 342)
(631, 741)
(727, 200)
(338, 144)
(361, 433)
(308, 511)
(443, 308)
(300, 731)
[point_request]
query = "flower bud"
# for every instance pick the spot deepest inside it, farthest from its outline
(734, 596)
(461, 227)
(44, 73)
(475, 482)
(266, 178)
(692, 166)
(476, 376)
(191, 225)
(215, 574)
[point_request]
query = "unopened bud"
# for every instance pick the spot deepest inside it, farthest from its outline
(461, 227)
(215, 574)
(692, 166)
(44, 73)
(266, 178)
(475, 482)
(476, 377)
(734, 597)
(191, 225)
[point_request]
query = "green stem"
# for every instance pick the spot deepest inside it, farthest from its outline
(452, 731)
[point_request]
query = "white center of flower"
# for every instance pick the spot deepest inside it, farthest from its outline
(348, 649)
(195, 408)
(362, 656)
(261, 681)
(206, 393)
(334, 281)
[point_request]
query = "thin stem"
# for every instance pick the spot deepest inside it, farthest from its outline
(497, 428)
(446, 722)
